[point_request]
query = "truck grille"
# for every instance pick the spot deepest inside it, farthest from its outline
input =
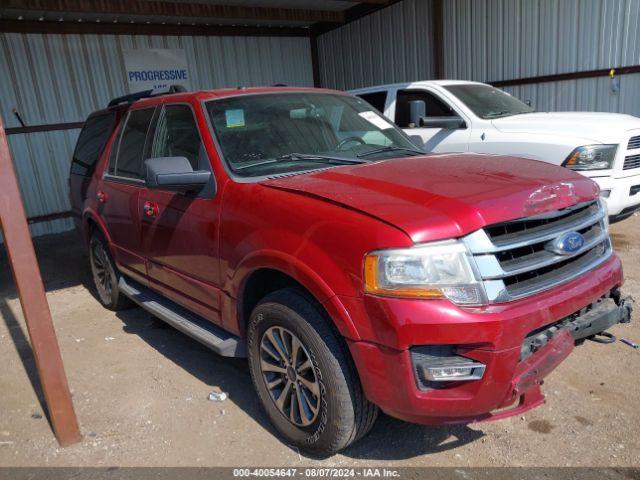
(631, 161)
(634, 142)
(514, 259)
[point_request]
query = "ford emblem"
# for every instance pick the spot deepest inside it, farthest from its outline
(566, 244)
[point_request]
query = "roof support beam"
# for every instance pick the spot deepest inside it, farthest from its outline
(28, 280)
(92, 28)
(352, 14)
(438, 46)
(157, 8)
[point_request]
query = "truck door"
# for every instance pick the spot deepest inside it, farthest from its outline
(435, 139)
(118, 192)
(180, 231)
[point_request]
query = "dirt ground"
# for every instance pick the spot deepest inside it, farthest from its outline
(140, 390)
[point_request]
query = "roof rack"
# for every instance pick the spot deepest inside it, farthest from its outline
(146, 94)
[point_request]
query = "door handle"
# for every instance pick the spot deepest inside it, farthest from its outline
(150, 209)
(102, 197)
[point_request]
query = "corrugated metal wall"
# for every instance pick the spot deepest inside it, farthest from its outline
(391, 45)
(62, 78)
(489, 40)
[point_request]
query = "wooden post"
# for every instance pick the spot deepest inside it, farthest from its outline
(26, 274)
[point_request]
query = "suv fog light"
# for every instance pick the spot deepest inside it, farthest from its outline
(438, 363)
(471, 371)
(605, 193)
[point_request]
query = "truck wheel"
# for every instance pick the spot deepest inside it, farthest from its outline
(304, 376)
(105, 275)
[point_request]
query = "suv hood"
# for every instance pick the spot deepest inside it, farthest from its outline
(435, 197)
(593, 126)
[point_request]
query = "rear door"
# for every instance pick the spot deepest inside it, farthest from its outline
(180, 231)
(435, 139)
(118, 194)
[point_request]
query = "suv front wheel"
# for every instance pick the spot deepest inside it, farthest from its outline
(304, 376)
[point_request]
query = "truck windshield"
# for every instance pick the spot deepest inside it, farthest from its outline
(277, 133)
(488, 102)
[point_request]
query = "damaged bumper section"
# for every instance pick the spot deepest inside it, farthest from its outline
(484, 379)
(587, 323)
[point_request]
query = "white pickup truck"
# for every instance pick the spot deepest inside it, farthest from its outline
(462, 116)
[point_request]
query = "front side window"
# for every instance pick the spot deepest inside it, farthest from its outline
(488, 102)
(272, 134)
(131, 149)
(434, 107)
(177, 136)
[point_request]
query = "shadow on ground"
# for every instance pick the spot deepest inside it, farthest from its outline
(64, 264)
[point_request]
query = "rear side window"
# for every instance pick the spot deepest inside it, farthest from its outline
(91, 143)
(177, 136)
(375, 99)
(129, 159)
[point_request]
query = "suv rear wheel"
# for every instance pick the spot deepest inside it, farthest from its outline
(304, 376)
(105, 275)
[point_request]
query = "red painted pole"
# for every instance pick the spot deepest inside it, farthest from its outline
(26, 274)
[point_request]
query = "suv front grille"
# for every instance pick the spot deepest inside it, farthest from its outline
(513, 259)
(631, 161)
(634, 142)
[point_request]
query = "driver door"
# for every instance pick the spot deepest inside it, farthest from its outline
(180, 231)
(436, 140)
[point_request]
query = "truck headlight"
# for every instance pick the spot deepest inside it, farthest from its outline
(591, 157)
(436, 270)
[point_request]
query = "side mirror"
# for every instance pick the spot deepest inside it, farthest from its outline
(174, 174)
(417, 110)
(443, 122)
(417, 141)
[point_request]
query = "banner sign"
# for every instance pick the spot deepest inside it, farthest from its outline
(151, 68)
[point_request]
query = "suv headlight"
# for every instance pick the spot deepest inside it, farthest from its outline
(591, 157)
(436, 270)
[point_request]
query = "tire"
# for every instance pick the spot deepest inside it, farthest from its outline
(106, 275)
(342, 414)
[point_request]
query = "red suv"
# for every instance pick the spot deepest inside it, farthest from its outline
(299, 228)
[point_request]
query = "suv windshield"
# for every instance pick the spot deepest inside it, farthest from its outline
(272, 134)
(488, 102)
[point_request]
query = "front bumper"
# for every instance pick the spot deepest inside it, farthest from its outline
(492, 335)
(624, 196)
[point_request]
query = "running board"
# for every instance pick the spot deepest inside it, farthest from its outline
(198, 328)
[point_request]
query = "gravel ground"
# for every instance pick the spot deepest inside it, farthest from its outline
(140, 390)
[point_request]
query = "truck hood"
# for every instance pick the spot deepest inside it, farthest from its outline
(592, 126)
(434, 197)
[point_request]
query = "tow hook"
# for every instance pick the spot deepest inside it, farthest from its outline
(603, 337)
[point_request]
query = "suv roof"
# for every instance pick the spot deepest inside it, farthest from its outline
(178, 92)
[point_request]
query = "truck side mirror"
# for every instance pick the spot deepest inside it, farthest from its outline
(417, 110)
(174, 174)
(450, 123)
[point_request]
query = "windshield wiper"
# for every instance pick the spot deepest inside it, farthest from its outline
(497, 114)
(505, 113)
(389, 148)
(318, 158)
(303, 156)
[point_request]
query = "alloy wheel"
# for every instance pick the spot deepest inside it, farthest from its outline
(290, 376)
